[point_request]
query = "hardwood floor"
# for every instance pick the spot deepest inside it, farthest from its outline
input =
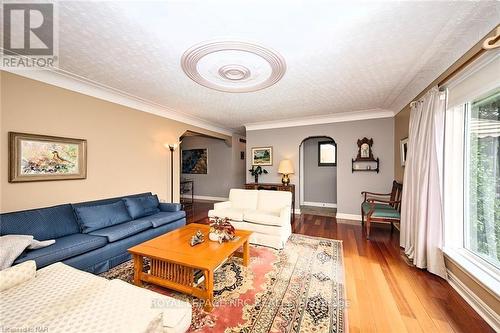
(384, 294)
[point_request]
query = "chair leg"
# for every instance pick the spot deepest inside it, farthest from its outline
(368, 228)
(362, 217)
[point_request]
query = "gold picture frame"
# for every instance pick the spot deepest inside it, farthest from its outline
(34, 157)
(262, 156)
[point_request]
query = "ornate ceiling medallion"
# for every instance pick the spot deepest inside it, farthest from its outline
(233, 66)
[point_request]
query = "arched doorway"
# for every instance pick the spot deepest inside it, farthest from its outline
(318, 175)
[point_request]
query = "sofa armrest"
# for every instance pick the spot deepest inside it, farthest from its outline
(170, 207)
(285, 215)
(222, 205)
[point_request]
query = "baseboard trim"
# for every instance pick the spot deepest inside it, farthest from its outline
(350, 222)
(492, 318)
(319, 204)
(205, 197)
(297, 211)
(353, 217)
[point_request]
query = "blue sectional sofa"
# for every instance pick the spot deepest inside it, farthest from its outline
(93, 236)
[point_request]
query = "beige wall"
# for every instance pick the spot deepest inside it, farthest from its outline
(401, 126)
(125, 146)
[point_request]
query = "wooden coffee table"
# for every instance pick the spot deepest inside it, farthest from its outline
(173, 261)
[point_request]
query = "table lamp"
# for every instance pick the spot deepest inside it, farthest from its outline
(285, 168)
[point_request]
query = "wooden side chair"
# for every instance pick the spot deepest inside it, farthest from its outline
(382, 207)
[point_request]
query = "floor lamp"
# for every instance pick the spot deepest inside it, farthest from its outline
(171, 147)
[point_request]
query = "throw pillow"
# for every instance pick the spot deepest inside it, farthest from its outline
(14, 245)
(142, 206)
(101, 216)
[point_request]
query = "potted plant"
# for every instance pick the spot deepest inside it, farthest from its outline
(256, 171)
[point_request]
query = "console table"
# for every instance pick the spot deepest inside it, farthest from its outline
(274, 187)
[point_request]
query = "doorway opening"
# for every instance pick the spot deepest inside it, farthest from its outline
(318, 176)
(209, 167)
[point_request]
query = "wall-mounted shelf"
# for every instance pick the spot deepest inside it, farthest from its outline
(367, 162)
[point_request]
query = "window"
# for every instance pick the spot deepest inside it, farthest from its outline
(482, 178)
(471, 183)
(327, 153)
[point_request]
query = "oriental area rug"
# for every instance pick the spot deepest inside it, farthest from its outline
(297, 289)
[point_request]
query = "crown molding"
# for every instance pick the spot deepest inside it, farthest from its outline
(84, 86)
(326, 119)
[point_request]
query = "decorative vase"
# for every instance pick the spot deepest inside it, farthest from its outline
(256, 179)
(221, 230)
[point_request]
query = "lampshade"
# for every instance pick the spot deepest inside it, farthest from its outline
(285, 167)
(171, 146)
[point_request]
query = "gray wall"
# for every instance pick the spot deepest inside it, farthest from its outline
(320, 182)
(225, 168)
(286, 142)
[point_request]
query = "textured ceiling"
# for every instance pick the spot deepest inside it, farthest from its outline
(340, 56)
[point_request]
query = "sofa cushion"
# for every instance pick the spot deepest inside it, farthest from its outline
(234, 214)
(273, 201)
(162, 218)
(243, 199)
(260, 228)
(123, 230)
(260, 217)
(142, 206)
(381, 211)
(64, 247)
(101, 216)
(109, 200)
(42, 223)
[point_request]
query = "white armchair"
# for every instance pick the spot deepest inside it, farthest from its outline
(265, 213)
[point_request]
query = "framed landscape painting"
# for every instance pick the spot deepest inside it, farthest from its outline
(262, 156)
(34, 157)
(195, 161)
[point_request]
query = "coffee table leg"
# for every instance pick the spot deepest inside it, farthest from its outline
(209, 285)
(246, 253)
(137, 270)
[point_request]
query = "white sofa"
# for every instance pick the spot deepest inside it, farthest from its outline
(265, 213)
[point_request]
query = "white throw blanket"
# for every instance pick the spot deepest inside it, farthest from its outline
(12, 246)
(63, 299)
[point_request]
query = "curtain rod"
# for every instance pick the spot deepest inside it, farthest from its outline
(488, 42)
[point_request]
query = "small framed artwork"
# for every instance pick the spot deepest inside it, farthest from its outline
(403, 146)
(34, 157)
(262, 156)
(195, 161)
(242, 155)
(327, 153)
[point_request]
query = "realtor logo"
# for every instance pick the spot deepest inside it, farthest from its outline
(28, 35)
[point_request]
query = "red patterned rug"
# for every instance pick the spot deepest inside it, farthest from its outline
(297, 289)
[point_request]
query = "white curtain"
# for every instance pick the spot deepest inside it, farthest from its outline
(422, 201)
